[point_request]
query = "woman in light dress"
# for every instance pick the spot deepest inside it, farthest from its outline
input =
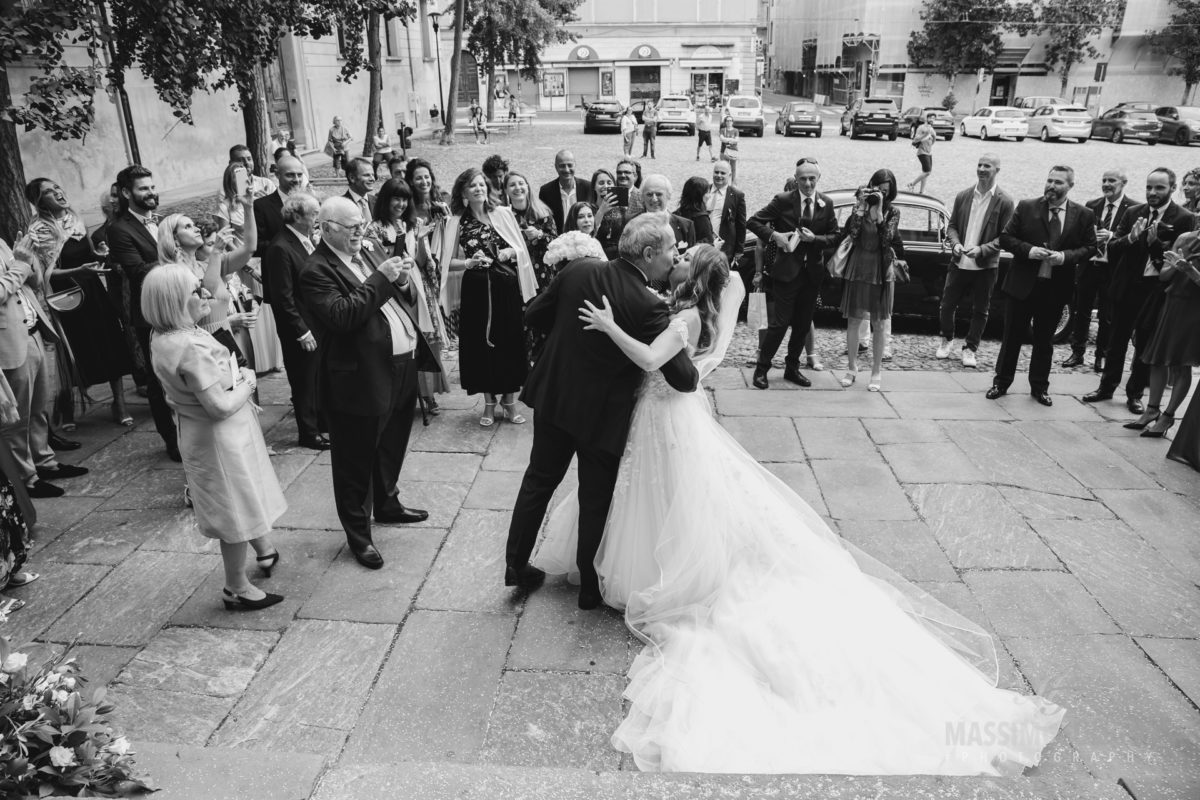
(772, 645)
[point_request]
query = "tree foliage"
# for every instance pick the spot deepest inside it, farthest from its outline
(957, 36)
(1180, 43)
(1070, 28)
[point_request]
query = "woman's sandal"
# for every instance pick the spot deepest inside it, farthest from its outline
(121, 417)
(815, 365)
(848, 379)
(1158, 429)
(510, 411)
(1148, 416)
(874, 385)
(18, 579)
(9, 605)
(489, 415)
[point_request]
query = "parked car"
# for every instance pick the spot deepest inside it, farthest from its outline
(877, 115)
(1037, 101)
(796, 117)
(1056, 122)
(1180, 124)
(994, 121)
(1119, 125)
(941, 119)
(604, 113)
(1134, 105)
(675, 112)
(746, 111)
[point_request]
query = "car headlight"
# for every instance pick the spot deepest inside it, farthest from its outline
(1194, 125)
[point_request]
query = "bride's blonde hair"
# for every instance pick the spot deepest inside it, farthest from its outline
(702, 291)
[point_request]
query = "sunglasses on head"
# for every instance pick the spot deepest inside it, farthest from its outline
(808, 161)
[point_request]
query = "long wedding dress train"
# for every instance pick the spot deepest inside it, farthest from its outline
(773, 645)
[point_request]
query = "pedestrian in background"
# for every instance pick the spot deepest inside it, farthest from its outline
(704, 132)
(729, 145)
(628, 130)
(649, 128)
(335, 144)
(923, 140)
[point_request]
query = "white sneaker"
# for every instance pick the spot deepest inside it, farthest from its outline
(943, 352)
(968, 357)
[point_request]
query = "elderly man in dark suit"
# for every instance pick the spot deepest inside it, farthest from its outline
(978, 216)
(1092, 277)
(728, 211)
(583, 390)
(566, 190)
(363, 310)
(802, 226)
(281, 268)
(656, 197)
(1136, 251)
(1048, 236)
(133, 249)
(268, 210)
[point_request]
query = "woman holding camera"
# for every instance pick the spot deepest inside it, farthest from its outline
(870, 271)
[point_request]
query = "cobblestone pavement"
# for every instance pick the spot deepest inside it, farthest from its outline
(1070, 538)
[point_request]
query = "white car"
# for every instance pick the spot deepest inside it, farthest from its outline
(746, 111)
(675, 112)
(1056, 122)
(994, 121)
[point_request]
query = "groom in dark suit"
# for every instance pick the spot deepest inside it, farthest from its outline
(1048, 236)
(582, 391)
(795, 277)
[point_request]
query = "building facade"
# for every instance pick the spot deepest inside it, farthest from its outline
(835, 51)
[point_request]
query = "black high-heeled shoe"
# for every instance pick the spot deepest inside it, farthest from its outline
(235, 602)
(1158, 430)
(1148, 416)
(263, 564)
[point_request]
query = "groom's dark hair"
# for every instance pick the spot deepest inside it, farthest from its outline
(650, 229)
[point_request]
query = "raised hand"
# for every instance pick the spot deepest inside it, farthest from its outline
(597, 318)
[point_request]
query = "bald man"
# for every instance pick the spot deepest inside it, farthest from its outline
(565, 191)
(268, 210)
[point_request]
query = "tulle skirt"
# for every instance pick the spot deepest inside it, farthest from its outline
(772, 645)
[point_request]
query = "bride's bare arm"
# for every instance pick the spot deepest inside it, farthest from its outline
(649, 357)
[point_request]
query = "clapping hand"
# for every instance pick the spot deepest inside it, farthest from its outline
(391, 268)
(597, 319)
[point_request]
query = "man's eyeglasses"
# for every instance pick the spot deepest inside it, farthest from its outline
(625, 172)
(359, 228)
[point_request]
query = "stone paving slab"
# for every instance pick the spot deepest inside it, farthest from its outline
(907, 547)
(1087, 459)
(1167, 521)
(799, 477)
(135, 599)
(309, 693)
(436, 691)
(1065, 408)
(957, 596)
(510, 448)
(114, 466)
(904, 431)
(861, 490)
(1050, 604)
(146, 714)
(455, 432)
(1008, 458)
(108, 537)
(947, 405)
(834, 438)
(822, 381)
(469, 571)
(59, 515)
(931, 463)
(1123, 716)
(766, 438)
(978, 529)
(191, 773)
(1032, 504)
(555, 636)
(440, 467)
(1140, 588)
(203, 661)
(753, 403)
(494, 490)
(46, 600)
(310, 501)
(154, 488)
(1179, 659)
(1149, 455)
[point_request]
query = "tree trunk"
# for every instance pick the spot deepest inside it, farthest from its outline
(491, 92)
(254, 120)
(374, 112)
(1187, 93)
(450, 112)
(1066, 76)
(14, 210)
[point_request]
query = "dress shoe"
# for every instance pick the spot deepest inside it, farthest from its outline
(1158, 429)
(794, 375)
(525, 577)
(61, 471)
(1098, 365)
(369, 557)
(318, 442)
(1148, 416)
(1073, 360)
(399, 515)
(590, 599)
(1043, 398)
(1134, 404)
(43, 488)
(1097, 396)
(235, 602)
(57, 442)
(760, 378)
(994, 392)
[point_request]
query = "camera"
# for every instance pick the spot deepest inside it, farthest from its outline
(871, 197)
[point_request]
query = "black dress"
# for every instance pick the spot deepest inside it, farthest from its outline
(491, 343)
(93, 330)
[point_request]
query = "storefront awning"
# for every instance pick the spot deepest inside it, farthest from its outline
(690, 63)
(643, 62)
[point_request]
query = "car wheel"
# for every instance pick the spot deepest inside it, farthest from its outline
(1083, 139)
(853, 132)
(983, 134)
(1152, 142)
(1182, 138)
(1020, 138)
(1117, 137)
(818, 133)
(842, 128)
(893, 135)
(950, 137)
(1044, 136)
(691, 131)
(963, 130)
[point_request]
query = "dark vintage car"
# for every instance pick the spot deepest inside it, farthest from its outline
(1121, 124)
(799, 117)
(877, 115)
(603, 114)
(942, 121)
(1180, 124)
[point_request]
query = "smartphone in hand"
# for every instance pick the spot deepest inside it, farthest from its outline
(241, 180)
(621, 194)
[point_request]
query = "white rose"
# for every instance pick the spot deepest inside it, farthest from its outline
(69, 683)
(61, 697)
(62, 756)
(14, 663)
(120, 746)
(28, 702)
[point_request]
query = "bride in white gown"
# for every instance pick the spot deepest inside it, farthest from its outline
(773, 645)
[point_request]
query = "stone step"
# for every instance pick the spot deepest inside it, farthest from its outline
(207, 773)
(454, 781)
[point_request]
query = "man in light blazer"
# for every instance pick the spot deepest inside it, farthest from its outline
(976, 220)
(1048, 237)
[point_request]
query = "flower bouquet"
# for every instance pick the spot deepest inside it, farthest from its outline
(570, 246)
(52, 740)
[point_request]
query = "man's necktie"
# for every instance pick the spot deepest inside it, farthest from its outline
(1106, 223)
(1055, 227)
(807, 216)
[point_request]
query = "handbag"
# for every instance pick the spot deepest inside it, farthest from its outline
(837, 262)
(900, 272)
(756, 311)
(66, 300)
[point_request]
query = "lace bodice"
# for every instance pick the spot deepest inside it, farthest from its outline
(654, 382)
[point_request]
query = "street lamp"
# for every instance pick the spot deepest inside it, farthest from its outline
(434, 16)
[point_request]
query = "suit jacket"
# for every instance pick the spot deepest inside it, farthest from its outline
(1128, 254)
(354, 341)
(998, 212)
(782, 215)
(685, 231)
(369, 197)
(582, 382)
(134, 251)
(1097, 207)
(1030, 227)
(281, 267)
(550, 195)
(732, 229)
(268, 220)
(15, 292)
